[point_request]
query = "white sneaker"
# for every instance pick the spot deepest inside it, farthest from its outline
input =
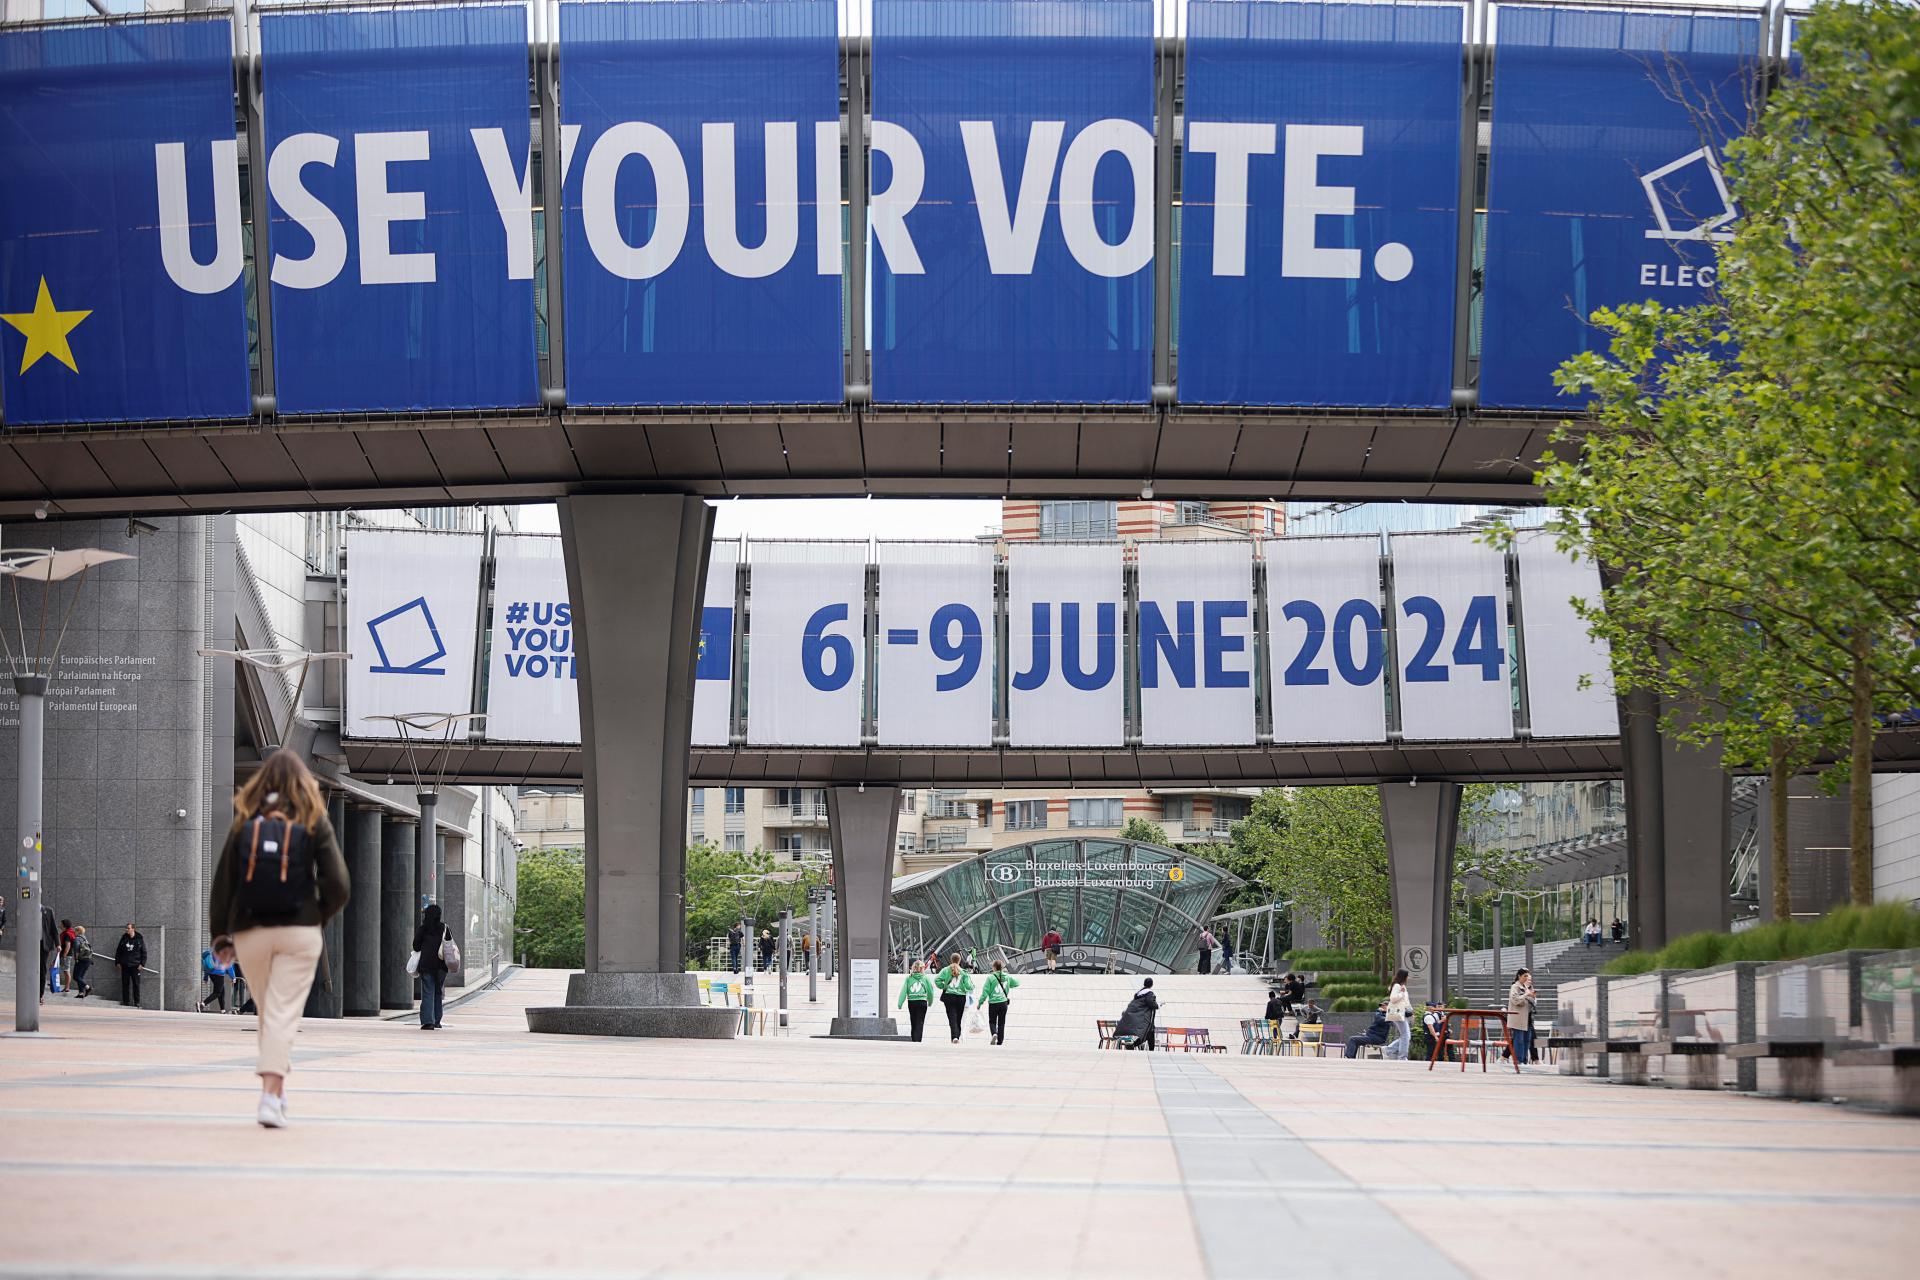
(272, 1113)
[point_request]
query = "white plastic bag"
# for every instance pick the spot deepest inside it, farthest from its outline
(413, 962)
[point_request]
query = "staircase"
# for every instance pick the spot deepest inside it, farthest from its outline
(1572, 963)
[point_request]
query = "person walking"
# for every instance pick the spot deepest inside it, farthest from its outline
(955, 984)
(916, 993)
(994, 990)
(1050, 943)
(1135, 1027)
(1399, 1017)
(216, 975)
(81, 953)
(1521, 1001)
(63, 971)
(279, 879)
(766, 950)
(427, 941)
(1226, 954)
(130, 957)
(736, 939)
(1206, 951)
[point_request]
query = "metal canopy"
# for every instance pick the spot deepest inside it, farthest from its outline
(309, 464)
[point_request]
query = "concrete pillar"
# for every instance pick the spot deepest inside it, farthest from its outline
(862, 823)
(1422, 824)
(397, 848)
(360, 942)
(636, 566)
(325, 999)
(1679, 826)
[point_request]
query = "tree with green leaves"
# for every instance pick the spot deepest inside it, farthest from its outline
(1144, 831)
(724, 884)
(550, 908)
(1749, 476)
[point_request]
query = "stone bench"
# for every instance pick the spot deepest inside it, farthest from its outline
(1703, 1059)
(1627, 1059)
(1903, 1060)
(1577, 1049)
(1801, 1064)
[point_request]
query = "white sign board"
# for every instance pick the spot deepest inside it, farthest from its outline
(1066, 646)
(1455, 671)
(806, 656)
(1196, 643)
(413, 601)
(533, 684)
(863, 993)
(934, 659)
(713, 664)
(1326, 640)
(1560, 653)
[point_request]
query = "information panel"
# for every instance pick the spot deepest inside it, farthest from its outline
(1455, 676)
(402, 232)
(713, 665)
(413, 602)
(1012, 206)
(1196, 616)
(1604, 184)
(806, 644)
(1326, 640)
(935, 655)
(533, 682)
(1321, 184)
(1065, 646)
(120, 239)
(1569, 673)
(704, 233)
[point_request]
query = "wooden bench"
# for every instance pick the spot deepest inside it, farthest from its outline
(1578, 1049)
(1904, 1059)
(1703, 1059)
(1801, 1064)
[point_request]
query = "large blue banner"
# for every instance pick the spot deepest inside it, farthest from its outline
(704, 225)
(401, 232)
(1012, 206)
(120, 238)
(1604, 184)
(1319, 214)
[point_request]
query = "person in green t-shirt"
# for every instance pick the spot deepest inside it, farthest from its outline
(993, 992)
(955, 984)
(916, 993)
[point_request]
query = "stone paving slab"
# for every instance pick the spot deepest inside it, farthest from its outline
(127, 1147)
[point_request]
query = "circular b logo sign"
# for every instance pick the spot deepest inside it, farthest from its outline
(1004, 872)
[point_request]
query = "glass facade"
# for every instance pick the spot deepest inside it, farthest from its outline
(1119, 906)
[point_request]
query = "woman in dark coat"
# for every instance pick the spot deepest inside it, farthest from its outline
(433, 970)
(1137, 1021)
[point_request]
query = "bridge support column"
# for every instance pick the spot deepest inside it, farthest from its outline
(1422, 824)
(863, 822)
(398, 910)
(360, 930)
(1679, 823)
(330, 981)
(636, 568)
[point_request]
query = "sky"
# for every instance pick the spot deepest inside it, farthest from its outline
(884, 518)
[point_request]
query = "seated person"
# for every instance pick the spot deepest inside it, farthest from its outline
(1278, 1006)
(1377, 1032)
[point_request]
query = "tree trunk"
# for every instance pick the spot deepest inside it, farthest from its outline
(1860, 773)
(1778, 776)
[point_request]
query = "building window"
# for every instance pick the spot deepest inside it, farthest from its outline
(736, 799)
(1095, 813)
(1026, 815)
(699, 801)
(1228, 810)
(906, 843)
(907, 801)
(1079, 519)
(736, 842)
(1192, 512)
(1177, 811)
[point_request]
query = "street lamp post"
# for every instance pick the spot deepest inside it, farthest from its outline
(279, 662)
(427, 792)
(32, 671)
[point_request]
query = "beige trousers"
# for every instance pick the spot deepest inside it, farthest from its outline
(279, 963)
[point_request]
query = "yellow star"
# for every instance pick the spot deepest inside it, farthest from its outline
(46, 330)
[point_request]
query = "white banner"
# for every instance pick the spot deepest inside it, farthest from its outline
(413, 601)
(935, 656)
(1196, 644)
(533, 684)
(1066, 646)
(1559, 650)
(1455, 676)
(806, 656)
(713, 665)
(1326, 640)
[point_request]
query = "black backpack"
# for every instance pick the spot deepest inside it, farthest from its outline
(277, 874)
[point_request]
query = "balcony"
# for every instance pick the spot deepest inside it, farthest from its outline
(971, 839)
(805, 814)
(1212, 833)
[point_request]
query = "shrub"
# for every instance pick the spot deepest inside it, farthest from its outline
(1361, 990)
(1632, 962)
(1353, 1004)
(1318, 959)
(1334, 977)
(1885, 926)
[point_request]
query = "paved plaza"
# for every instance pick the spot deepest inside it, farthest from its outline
(481, 1150)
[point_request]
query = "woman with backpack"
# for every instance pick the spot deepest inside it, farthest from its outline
(429, 944)
(280, 878)
(994, 990)
(955, 984)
